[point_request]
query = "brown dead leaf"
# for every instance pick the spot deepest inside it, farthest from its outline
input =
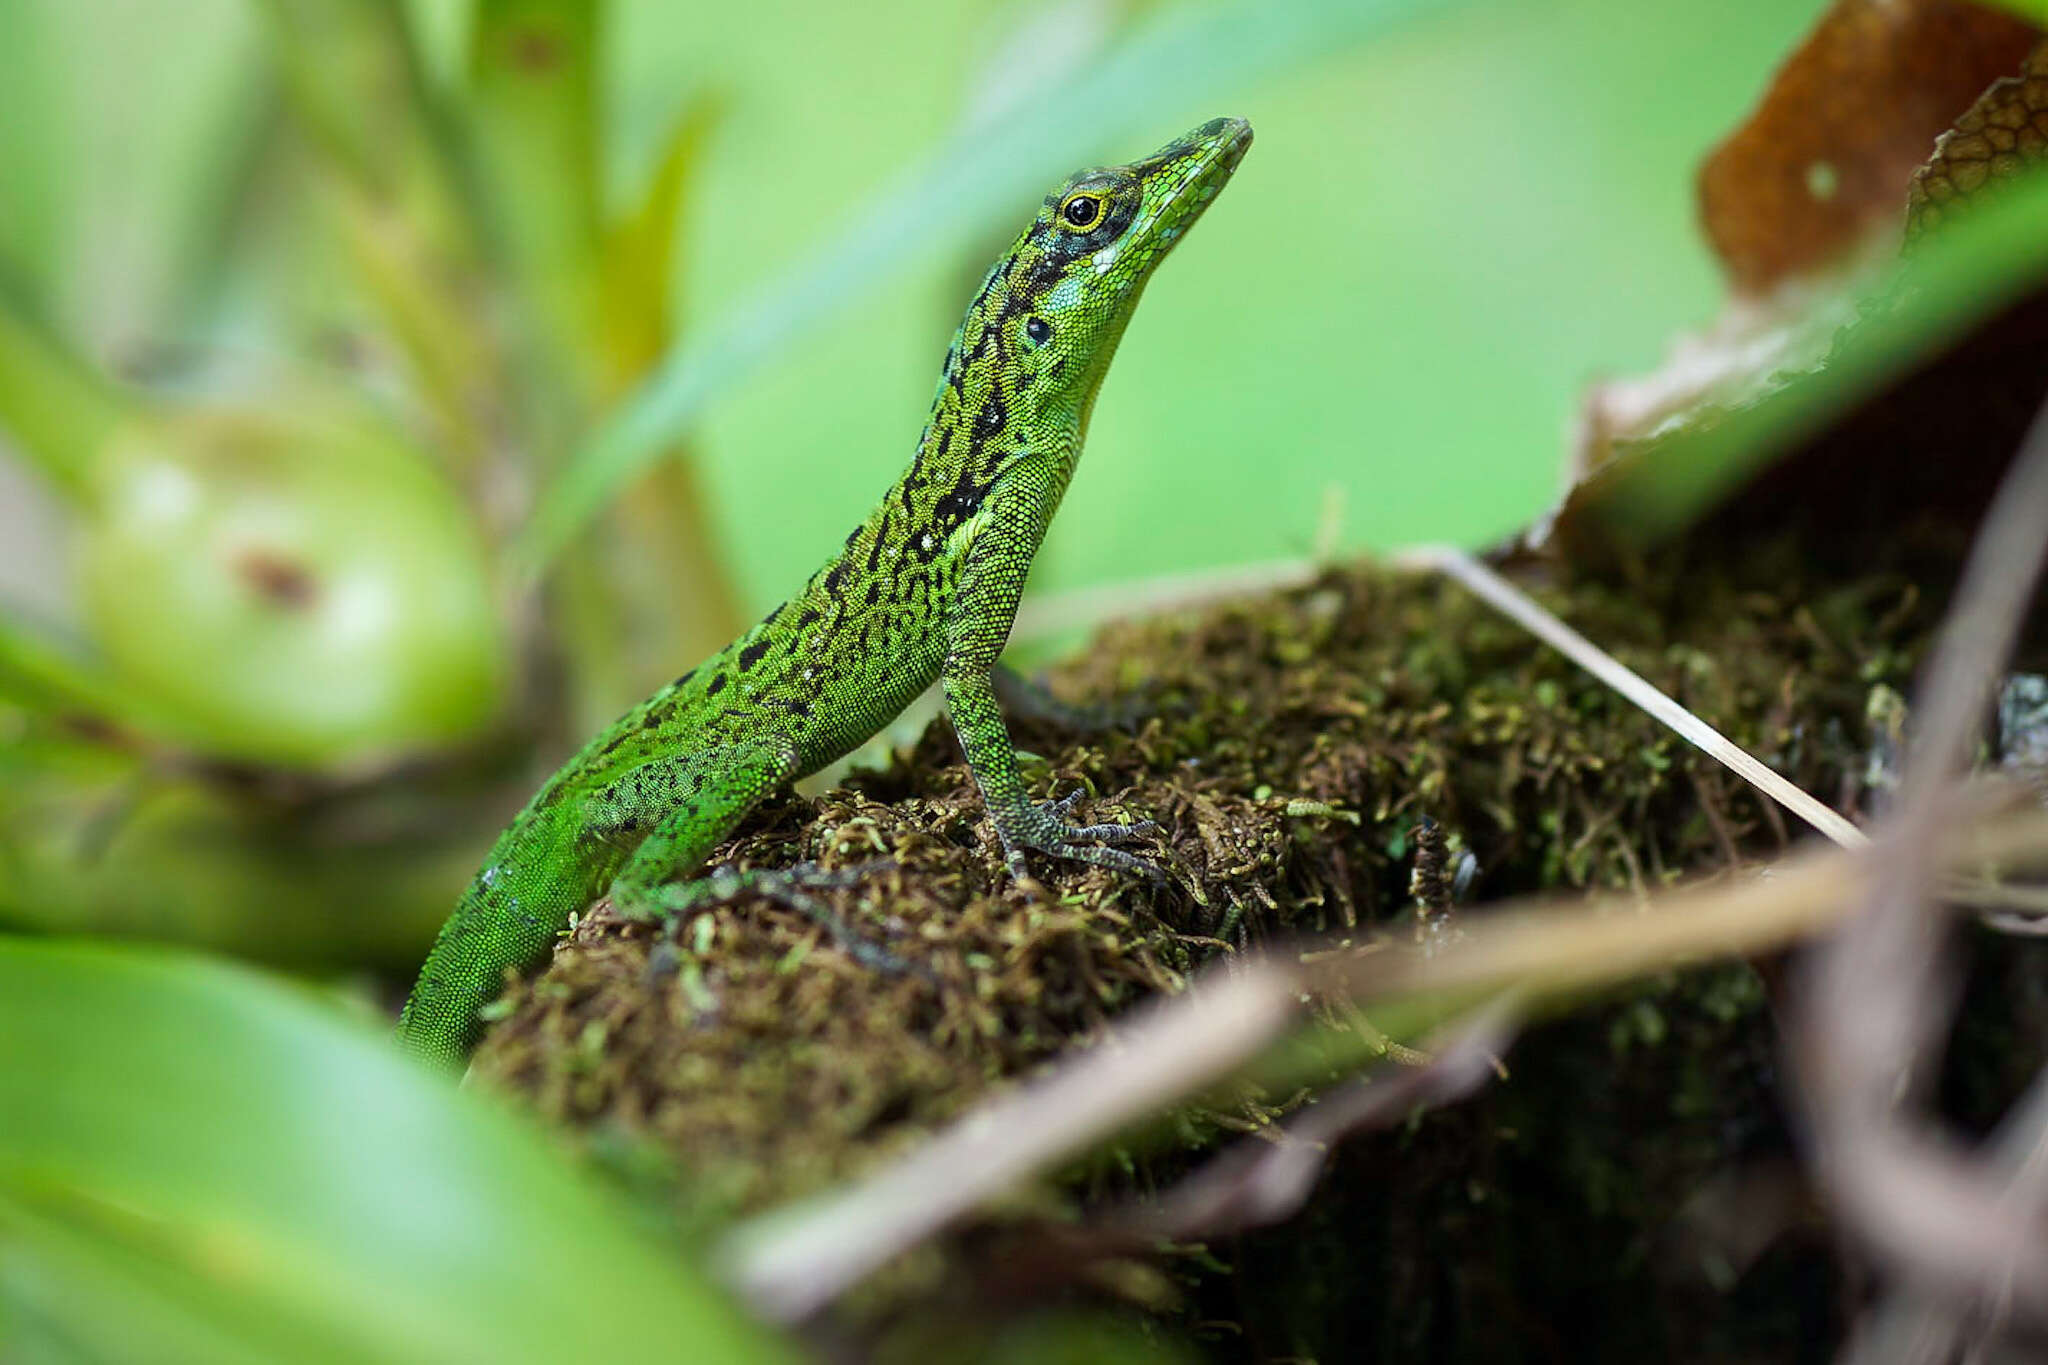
(1827, 155)
(2004, 132)
(1655, 452)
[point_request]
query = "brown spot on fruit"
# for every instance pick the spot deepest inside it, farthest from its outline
(277, 578)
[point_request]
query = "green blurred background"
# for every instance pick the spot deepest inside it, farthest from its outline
(1439, 239)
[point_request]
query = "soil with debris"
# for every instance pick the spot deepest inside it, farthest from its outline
(1298, 750)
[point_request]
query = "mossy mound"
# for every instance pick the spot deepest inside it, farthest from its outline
(1297, 741)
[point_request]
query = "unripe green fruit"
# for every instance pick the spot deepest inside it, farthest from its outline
(296, 588)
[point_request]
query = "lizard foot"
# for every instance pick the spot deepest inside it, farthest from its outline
(1048, 830)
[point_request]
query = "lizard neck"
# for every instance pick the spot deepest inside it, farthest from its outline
(868, 631)
(1005, 394)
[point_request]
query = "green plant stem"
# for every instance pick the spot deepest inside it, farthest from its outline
(536, 133)
(400, 200)
(36, 671)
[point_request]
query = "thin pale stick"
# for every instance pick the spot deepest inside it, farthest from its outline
(1512, 602)
(792, 1262)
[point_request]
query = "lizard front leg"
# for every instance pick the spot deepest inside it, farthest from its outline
(978, 620)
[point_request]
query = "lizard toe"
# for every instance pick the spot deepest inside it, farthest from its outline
(1113, 858)
(1050, 832)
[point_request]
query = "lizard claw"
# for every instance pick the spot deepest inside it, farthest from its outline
(1048, 831)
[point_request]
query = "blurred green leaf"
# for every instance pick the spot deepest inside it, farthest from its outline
(31, 169)
(1979, 261)
(965, 187)
(44, 672)
(640, 247)
(197, 1164)
(58, 409)
(135, 108)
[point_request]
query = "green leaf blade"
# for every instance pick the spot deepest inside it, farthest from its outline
(273, 1177)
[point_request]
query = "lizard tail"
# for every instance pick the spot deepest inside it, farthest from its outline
(502, 924)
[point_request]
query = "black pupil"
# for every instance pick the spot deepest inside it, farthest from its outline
(1081, 211)
(1037, 330)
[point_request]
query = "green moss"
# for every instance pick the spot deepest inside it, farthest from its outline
(1297, 741)
(1307, 748)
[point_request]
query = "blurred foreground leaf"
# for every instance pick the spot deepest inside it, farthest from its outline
(196, 1164)
(1818, 165)
(967, 186)
(57, 409)
(1662, 481)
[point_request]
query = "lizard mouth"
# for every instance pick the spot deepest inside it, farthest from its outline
(1182, 178)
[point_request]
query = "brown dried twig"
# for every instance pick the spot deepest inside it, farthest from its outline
(1264, 1180)
(1962, 1229)
(791, 1263)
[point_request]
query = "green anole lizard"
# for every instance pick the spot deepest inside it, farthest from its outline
(926, 588)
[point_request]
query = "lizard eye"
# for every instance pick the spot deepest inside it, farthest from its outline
(1081, 210)
(1038, 329)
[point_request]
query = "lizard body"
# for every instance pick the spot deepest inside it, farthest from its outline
(924, 589)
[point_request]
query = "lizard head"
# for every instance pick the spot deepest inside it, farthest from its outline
(1070, 284)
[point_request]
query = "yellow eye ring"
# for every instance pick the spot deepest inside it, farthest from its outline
(1081, 210)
